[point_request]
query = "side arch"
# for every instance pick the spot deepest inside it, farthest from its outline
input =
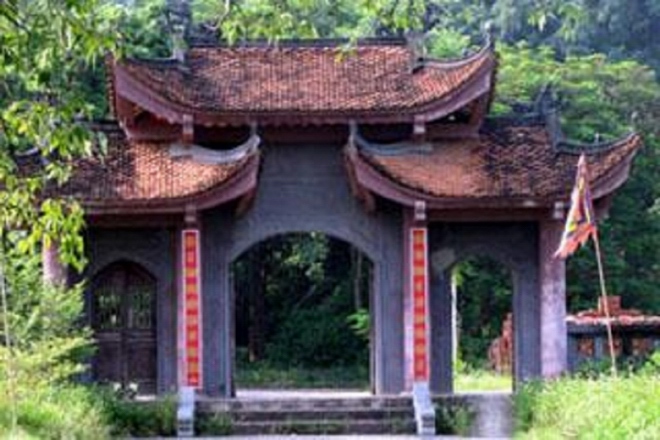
(124, 320)
(153, 250)
(102, 263)
(514, 245)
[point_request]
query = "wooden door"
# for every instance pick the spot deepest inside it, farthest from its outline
(124, 324)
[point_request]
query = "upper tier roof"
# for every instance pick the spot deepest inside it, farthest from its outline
(310, 80)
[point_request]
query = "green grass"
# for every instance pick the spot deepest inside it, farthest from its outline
(605, 409)
(50, 412)
(262, 375)
(481, 380)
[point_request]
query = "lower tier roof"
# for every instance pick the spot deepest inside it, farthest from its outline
(509, 166)
(514, 166)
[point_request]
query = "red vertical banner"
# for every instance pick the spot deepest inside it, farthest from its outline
(419, 288)
(192, 309)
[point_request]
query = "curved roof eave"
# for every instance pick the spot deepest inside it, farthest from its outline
(239, 184)
(480, 83)
(377, 182)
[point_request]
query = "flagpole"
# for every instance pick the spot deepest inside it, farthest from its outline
(606, 307)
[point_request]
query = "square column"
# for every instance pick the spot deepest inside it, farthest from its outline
(552, 279)
(190, 311)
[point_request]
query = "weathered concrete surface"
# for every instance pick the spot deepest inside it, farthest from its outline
(552, 278)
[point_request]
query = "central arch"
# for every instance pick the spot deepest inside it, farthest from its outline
(295, 300)
(304, 189)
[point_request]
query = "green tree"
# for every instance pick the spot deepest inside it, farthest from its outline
(46, 50)
(597, 99)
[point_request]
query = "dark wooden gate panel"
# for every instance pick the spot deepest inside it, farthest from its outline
(124, 324)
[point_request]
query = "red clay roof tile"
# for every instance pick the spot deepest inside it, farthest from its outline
(312, 79)
(514, 162)
(142, 172)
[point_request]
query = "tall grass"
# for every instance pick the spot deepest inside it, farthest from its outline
(52, 412)
(607, 408)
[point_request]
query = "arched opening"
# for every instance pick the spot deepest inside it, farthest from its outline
(483, 342)
(302, 316)
(123, 318)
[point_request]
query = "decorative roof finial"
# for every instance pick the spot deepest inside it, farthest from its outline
(179, 19)
(489, 33)
(417, 47)
(634, 119)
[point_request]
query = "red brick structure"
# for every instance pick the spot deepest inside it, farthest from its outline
(500, 351)
(636, 334)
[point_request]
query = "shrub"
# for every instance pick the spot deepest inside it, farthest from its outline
(604, 408)
(42, 345)
(213, 424)
(62, 412)
(136, 418)
(453, 420)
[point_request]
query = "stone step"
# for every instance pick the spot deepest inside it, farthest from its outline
(327, 414)
(224, 405)
(393, 426)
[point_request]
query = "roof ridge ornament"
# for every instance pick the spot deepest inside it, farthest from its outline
(179, 20)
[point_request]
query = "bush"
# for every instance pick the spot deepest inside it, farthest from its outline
(453, 420)
(62, 412)
(606, 408)
(42, 344)
(213, 424)
(141, 419)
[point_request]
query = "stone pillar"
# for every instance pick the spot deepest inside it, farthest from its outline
(190, 311)
(552, 279)
(54, 272)
(442, 332)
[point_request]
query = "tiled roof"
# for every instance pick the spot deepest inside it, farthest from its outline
(621, 320)
(315, 79)
(512, 162)
(142, 173)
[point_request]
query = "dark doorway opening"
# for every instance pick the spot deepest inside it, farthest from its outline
(302, 316)
(482, 294)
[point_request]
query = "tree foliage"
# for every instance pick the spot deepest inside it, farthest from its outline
(46, 47)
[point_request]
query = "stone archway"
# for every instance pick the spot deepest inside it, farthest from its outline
(515, 246)
(304, 188)
(286, 290)
(483, 343)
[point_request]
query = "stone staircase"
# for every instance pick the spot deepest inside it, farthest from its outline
(355, 415)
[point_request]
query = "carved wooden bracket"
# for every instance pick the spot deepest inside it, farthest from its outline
(420, 211)
(188, 129)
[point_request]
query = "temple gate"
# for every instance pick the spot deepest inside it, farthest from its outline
(223, 147)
